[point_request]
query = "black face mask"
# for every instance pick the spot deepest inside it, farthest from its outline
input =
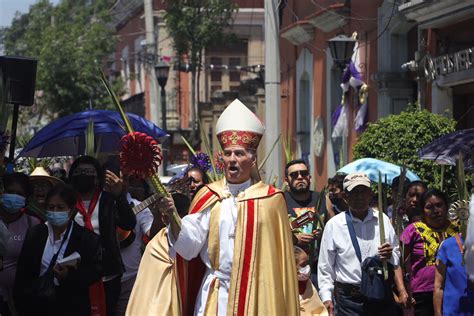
(335, 200)
(83, 183)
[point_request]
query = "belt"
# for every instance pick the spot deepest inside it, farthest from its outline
(351, 289)
(224, 279)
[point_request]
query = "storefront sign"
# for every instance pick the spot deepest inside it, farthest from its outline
(449, 63)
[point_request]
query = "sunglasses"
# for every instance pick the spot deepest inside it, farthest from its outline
(303, 173)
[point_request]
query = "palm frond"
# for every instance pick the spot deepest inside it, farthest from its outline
(381, 222)
(90, 139)
(4, 111)
(269, 153)
(398, 201)
(208, 150)
(191, 149)
(116, 102)
(289, 154)
(461, 185)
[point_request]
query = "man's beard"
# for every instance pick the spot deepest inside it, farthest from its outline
(299, 190)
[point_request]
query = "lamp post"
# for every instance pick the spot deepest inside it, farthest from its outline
(161, 72)
(341, 48)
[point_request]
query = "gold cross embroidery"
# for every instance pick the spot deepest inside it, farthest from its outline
(234, 138)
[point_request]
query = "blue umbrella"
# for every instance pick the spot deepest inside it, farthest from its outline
(66, 136)
(371, 167)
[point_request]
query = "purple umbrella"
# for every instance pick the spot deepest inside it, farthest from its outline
(445, 150)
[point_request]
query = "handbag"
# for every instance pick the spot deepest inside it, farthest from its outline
(43, 288)
(373, 286)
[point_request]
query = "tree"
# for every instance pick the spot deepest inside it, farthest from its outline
(398, 138)
(194, 25)
(70, 41)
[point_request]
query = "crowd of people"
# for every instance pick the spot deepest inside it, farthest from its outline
(79, 246)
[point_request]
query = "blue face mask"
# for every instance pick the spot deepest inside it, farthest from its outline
(58, 218)
(12, 203)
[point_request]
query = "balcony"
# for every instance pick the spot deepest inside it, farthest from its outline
(329, 19)
(298, 33)
(437, 13)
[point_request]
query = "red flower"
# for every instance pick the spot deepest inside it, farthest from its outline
(219, 161)
(140, 155)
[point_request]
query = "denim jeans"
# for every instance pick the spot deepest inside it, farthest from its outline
(352, 303)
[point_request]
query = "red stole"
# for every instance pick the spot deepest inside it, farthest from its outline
(96, 290)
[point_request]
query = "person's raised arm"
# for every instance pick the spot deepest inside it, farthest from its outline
(125, 218)
(167, 207)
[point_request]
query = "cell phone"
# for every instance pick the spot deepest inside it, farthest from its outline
(114, 167)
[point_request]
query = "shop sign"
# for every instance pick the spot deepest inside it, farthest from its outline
(449, 63)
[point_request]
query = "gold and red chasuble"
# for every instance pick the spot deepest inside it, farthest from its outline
(263, 278)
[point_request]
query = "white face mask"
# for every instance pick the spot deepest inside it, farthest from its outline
(304, 273)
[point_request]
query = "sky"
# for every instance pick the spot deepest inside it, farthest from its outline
(9, 7)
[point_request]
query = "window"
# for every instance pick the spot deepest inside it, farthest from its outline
(303, 128)
(229, 58)
(234, 75)
(216, 75)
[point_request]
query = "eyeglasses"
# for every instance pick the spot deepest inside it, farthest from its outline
(303, 173)
(84, 171)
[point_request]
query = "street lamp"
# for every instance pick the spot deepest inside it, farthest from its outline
(341, 48)
(161, 73)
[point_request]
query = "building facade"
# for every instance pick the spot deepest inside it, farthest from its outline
(444, 56)
(407, 51)
(228, 71)
(311, 81)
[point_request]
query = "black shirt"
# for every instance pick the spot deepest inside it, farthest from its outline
(297, 208)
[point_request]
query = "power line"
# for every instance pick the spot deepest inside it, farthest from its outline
(251, 19)
(384, 29)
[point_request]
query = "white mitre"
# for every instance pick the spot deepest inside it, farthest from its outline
(237, 125)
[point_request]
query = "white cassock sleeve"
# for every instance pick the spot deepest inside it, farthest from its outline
(193, 235)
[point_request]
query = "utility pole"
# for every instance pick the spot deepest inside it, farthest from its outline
(150, 69)
(272, 90)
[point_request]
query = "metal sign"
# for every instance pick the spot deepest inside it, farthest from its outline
(449, 63)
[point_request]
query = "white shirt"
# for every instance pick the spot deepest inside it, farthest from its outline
(131, 255)
(337, 258)
(51, 247)
(192, 241)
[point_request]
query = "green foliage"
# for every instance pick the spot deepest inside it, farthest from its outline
(30, 163)
(70, 41)
(398, 138)
(194, 25)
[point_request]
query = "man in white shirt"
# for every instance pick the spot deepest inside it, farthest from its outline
(339, 269)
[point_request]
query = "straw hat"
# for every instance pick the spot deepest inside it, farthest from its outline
(41, 174)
